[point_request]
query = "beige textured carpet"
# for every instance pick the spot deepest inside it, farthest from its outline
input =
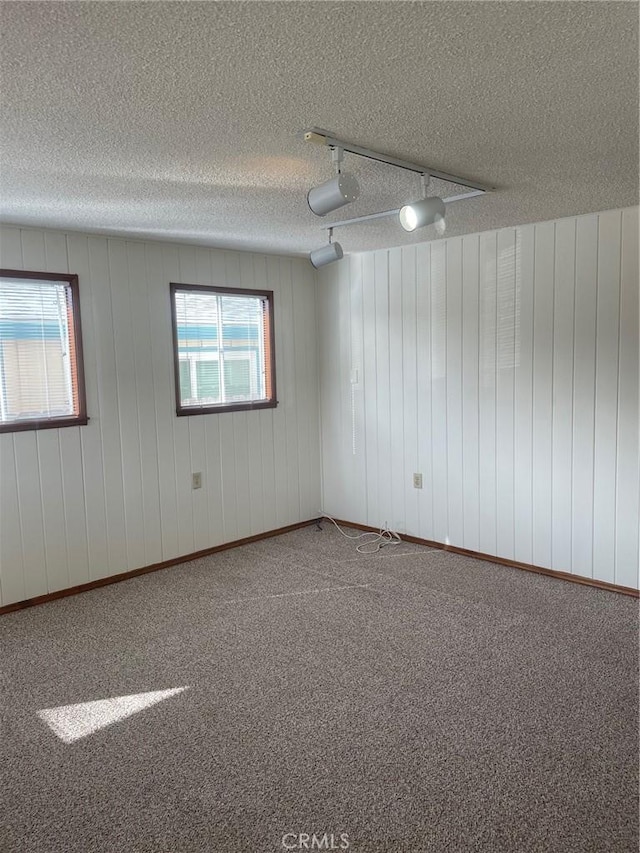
(412, 700)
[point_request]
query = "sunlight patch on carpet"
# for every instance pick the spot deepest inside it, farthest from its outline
(73, 722)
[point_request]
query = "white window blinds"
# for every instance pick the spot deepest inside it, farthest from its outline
(38, 352)
(223, 348)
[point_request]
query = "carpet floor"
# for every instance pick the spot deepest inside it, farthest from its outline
(412, 700)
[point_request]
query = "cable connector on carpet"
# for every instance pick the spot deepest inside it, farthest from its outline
(370, 546)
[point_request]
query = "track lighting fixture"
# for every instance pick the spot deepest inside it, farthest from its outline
(429, 210)
(326, 254)
(335, 192)
(420, 213)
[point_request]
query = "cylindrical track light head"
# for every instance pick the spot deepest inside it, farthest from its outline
(325, 255)
(421, 213)
(333, 194)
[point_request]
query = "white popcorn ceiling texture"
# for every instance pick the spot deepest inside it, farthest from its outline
(180, 121)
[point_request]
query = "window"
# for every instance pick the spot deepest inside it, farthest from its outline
(223, 349)
(41, 373)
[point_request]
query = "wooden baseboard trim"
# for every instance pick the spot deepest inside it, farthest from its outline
(166, 564)
(501, 561)
(134, 573)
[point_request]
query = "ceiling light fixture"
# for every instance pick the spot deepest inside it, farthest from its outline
(326, 254)
(336, 192)
(429, 211)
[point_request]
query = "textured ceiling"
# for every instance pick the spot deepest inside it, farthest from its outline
(181, 120)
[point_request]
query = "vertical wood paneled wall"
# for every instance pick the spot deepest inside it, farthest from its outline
(503, 366)
(81, 503)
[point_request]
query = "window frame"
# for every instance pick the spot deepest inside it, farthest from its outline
(219, 408)
(81, 419)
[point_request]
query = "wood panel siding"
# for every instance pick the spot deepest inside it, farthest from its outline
(83, 503)
(503, 367)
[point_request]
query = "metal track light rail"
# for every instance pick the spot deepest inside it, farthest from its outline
(323, 137)
(343, 189)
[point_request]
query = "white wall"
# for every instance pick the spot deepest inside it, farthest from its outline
(503, 366)
(82, 503)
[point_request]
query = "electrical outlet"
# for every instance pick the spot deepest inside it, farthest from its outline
(417, 481)
(196, 480)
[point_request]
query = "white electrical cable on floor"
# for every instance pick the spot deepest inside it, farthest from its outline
(370, 546)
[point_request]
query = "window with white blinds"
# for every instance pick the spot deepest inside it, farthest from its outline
(41, 376)
(223, 349)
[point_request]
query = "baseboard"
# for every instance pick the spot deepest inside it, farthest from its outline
(501, 561)
(154, 567)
